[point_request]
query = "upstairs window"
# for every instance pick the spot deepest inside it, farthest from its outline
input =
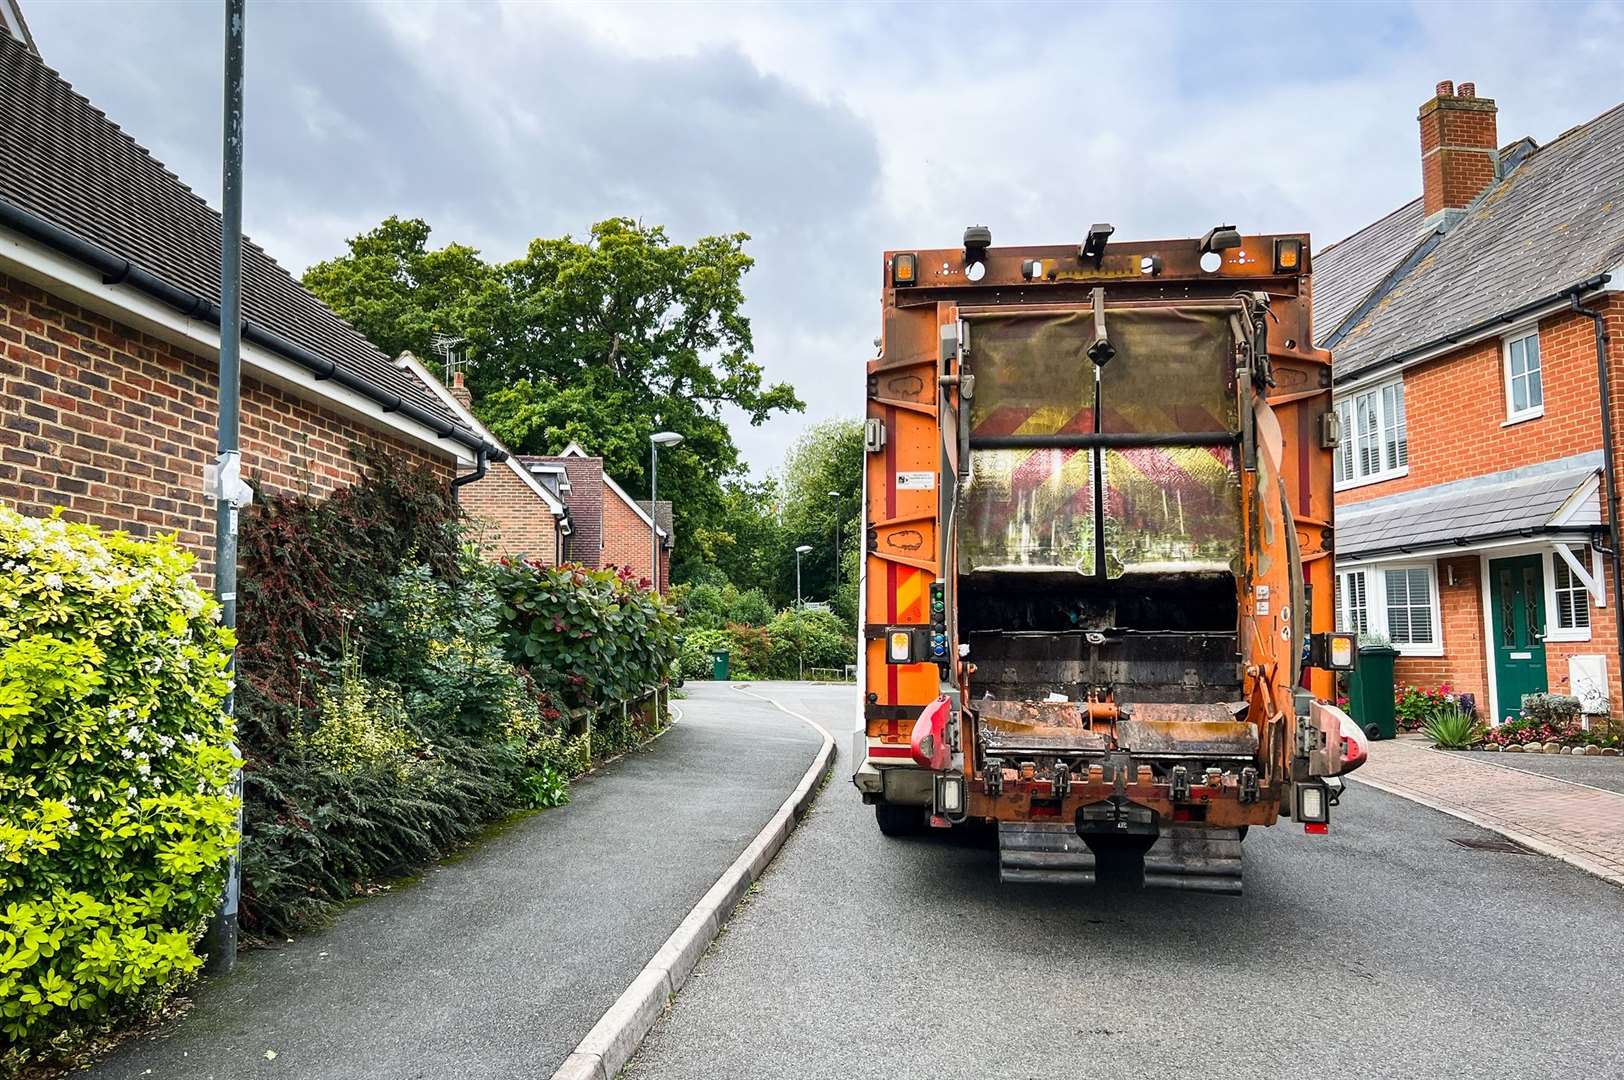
(1525, 387)
(1375, 436)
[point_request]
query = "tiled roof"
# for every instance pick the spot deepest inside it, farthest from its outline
(585, 502)
(1348, 271)
(1517, 502)
(63, 160)
(662, 518)
(1554, 221)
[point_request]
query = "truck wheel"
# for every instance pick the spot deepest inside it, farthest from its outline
(897, 820)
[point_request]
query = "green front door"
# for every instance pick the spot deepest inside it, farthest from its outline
(1517, 614)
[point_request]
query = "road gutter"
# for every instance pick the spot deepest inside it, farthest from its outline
(619, 1032)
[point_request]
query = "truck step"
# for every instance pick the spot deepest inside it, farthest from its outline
(1191, 859)
(1030, 853)
(1195, 859)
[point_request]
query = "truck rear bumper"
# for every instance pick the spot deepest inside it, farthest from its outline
(891, 780)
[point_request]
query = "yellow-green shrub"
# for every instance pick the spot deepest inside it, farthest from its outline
(116, 816)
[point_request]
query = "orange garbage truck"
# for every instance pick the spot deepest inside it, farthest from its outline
(1097, 584)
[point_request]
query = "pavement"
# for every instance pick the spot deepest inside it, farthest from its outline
(496, 963)
(1558, 816)
(1381, 950)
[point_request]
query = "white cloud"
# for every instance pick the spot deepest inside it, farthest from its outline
(829, 131)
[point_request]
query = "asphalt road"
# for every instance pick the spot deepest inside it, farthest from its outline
(495, 964)
(1381, 950)
(1606, 773)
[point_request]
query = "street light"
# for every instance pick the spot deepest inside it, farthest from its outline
(657, 440)
(800, 643)
(802, 550)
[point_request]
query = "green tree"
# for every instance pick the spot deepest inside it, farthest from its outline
(400, 294)
(828, 457)
(601, 341)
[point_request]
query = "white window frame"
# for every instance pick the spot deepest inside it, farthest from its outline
(1532, 412)
(1349, 447)
(1553, 631)
(1376, 604)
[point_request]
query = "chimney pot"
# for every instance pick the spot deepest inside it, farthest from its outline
(1445, 89)
(1467, 90)
(456, 379)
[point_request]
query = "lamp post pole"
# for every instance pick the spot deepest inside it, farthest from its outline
(222, 932)
(800, 645)
(655, 441)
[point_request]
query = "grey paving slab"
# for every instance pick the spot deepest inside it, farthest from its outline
(496, 964)
(1381, 950)
(1606, 773)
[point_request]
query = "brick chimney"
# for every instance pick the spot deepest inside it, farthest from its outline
(460, 391)
(1460, 150)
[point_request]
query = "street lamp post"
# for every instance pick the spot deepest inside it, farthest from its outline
(800, 646)
(655, 441)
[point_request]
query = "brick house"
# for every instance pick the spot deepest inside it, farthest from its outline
(610, 528)
(1470, 329)
(512, 511)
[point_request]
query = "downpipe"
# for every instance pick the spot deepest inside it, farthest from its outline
(481, 466)
(1609, 471)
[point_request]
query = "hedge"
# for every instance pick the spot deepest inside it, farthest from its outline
(116, 812)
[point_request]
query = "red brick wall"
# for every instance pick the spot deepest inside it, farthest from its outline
(1463, 665)
(628, 540)
(1456, 409)
(509, 518)
(114, 426)
(1603, 642)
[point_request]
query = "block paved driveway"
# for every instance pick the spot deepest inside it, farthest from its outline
(495, 964)
(1583, 822)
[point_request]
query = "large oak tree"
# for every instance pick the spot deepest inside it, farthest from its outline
(602, 341)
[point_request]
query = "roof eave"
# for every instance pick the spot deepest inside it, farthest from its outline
(117, 270)
(1477, 331)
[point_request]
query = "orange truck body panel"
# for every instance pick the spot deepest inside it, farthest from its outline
(915, 388)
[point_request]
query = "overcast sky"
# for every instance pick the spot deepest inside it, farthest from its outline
(828, 132)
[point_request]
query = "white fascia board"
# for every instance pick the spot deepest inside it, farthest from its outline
(439, 389)
(1585, 503)
(1444, 551)
(1387, 372)
(64, 277)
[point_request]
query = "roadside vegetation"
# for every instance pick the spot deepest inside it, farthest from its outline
(1550, 723)
(399, 693)
(116, 809)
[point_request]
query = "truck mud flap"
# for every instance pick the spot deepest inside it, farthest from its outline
(1031, 853)
(1195, 859)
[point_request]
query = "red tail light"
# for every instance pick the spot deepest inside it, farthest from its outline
(1317, 828)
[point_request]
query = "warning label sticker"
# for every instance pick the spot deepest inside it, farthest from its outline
(916, 481)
